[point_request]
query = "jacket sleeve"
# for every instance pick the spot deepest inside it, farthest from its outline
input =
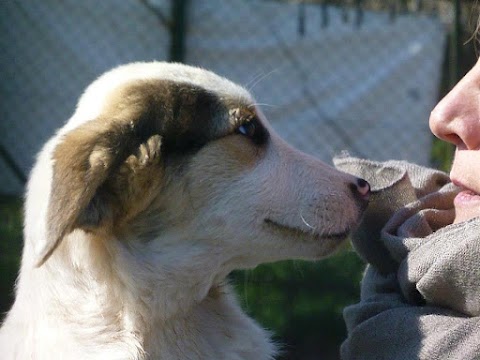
(383, 325)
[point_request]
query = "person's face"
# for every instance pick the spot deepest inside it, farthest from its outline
(456, 119)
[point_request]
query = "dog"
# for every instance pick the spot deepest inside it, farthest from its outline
(165, 179)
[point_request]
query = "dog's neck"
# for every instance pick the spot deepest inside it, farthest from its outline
(161, 311)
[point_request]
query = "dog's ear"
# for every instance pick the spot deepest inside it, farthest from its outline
(106, 170)
(102, 171)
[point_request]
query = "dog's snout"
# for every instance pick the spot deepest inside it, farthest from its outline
(361, 188)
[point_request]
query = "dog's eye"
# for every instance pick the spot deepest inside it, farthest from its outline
(254, 130)
(247, 129)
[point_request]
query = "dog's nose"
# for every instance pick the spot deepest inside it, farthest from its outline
(362, 188)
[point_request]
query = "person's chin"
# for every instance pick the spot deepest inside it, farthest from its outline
(467, 206)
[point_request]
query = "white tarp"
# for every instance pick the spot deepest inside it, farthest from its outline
(367, 89)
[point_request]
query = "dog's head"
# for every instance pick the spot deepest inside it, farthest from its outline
(164, 158)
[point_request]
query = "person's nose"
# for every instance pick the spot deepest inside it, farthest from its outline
(456, 118)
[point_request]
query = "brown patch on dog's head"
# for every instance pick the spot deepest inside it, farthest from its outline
(109, 169)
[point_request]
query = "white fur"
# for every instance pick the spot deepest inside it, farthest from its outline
(97, 298)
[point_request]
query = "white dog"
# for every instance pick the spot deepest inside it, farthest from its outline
(165, 179)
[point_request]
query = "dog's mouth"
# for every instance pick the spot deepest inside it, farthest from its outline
(341, 235)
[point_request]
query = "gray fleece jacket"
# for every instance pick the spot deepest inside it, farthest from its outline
(420, 296)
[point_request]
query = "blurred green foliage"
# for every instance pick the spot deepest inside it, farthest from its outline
(442, 154)
(302, 302)
(10, 247)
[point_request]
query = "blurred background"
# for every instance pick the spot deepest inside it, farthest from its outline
(349, 75)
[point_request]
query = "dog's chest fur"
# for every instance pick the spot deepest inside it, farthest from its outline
(215, 329)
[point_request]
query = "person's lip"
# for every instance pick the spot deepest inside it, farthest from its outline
(467, 196)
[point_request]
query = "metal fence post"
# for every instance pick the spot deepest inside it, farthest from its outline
(178, 30)
(455, 43)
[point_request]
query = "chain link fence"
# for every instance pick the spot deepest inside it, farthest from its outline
(329, 78)
(51, 50)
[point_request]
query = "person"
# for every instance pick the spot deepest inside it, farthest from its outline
(420, 295)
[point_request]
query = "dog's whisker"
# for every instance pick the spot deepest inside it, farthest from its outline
(255, 78)
(306, 223)
(260, 78)
(262, 104)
